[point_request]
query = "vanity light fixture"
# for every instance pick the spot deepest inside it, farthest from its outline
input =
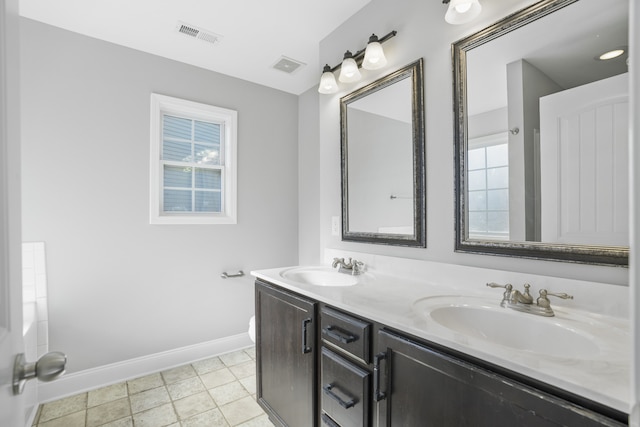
(349, 72)
(374, 55)
(461, 11)
(328, 82)
(370, 58)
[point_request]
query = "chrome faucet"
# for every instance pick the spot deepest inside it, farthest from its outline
(352, 267)
(525, 297)
(523, 301)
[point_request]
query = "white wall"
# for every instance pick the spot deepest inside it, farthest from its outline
(375, 143)
(422, 32)
(120, 288)
(308, 178)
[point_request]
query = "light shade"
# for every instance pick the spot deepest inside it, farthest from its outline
(374, 55)
(462, 11)
(328, 82)
(349, 70)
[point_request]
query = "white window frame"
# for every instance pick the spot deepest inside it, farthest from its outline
(162, 104)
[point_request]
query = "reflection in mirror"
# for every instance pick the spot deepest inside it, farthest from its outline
(542, 134)
(382, 130)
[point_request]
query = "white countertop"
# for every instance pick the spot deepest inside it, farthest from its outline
(389, 300)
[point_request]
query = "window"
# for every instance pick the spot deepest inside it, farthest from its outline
(193, 162)
(488, 201)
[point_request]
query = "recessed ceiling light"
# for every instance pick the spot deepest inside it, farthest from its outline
(611, 54)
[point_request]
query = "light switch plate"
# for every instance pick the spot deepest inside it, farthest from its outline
(335, 225)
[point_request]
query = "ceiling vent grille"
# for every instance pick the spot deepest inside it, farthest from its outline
(288, 65)
(198, 33)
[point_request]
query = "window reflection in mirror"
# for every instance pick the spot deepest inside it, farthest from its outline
(488, 160)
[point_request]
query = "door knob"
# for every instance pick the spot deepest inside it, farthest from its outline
(49, 367)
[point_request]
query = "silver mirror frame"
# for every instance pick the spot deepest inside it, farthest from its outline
(586, 254)
(415, 72)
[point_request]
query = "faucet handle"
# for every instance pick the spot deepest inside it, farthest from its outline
(544, 302)
(508, 286)
(358, 267)
(507, 293)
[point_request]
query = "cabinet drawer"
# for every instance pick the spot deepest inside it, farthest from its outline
(347, 332)
(345, 391)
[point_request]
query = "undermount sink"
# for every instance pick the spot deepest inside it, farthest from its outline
(485, 321)
(319, 276)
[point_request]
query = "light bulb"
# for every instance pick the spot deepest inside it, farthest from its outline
(463, 7)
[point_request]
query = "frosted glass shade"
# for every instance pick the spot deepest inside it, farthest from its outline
(328, 82)
(462, 11)
(349, 70)
(374, 56)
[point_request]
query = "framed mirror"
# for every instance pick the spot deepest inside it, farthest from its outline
(541, 134)
(383, 160)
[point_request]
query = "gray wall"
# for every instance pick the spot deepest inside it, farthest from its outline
(422, 32)
(120, 288)
(308, 178)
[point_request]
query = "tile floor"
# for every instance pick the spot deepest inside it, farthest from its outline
(209, 393)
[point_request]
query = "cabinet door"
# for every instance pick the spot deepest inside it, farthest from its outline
(418, 386)
(285, 356)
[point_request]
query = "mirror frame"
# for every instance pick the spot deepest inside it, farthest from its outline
(586, 254)
(413, 71)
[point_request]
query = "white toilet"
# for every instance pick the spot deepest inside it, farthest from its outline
(252, 328)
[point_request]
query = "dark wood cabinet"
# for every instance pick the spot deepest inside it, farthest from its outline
(286, 356)
(345, 391)
(317, 365)
(419, 386)
(348, 333)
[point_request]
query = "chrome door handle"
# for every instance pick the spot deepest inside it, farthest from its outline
(49, 367)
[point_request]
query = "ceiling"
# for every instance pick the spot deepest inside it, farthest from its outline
(256, 34)
(562, 45)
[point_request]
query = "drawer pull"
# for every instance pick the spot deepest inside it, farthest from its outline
(328, 421)
(377, 394)
(335, 333)
(305, 348)
(328, 389)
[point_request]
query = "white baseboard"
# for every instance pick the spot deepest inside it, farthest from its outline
(78, 382)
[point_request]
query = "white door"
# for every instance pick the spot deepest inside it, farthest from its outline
(584, 170)
(12, 412)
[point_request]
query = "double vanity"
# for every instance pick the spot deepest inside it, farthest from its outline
(435, 347)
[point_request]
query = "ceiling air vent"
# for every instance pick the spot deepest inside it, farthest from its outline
(198, 33)
(288, 65)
